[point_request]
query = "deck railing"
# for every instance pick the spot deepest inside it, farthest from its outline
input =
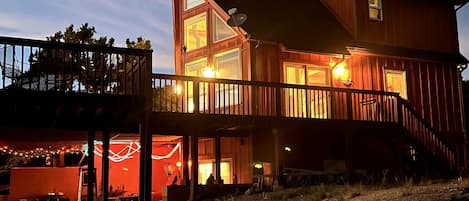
(183, 94)
(426, 135)
(73, 68)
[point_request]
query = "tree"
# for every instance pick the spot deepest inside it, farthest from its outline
(95, 69)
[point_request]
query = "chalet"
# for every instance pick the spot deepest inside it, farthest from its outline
(261, 92)
(356, 85)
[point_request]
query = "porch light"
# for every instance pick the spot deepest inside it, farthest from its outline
(287, 148)
(209, 73)
(258, 165)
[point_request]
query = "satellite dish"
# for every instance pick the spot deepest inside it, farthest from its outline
(236, 19)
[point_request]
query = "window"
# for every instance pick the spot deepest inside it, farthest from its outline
(207, 168)
(196, 68)
(396, 82)
(228, 66)
(306, 103)
(195, 32)
(188, 4)
(375, 10)
(221, 30)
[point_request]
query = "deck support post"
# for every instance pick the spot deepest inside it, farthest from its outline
(91, 178)
(276, 156)
(105, 164)
(145, 159)
(218, 159)
(185, 159)
(195, 168)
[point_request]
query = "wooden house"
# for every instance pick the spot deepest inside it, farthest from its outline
(343, 60)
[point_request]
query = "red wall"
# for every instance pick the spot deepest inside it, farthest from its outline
(127, 172)
(38, 181)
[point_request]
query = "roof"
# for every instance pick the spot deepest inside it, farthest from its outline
(309, 27)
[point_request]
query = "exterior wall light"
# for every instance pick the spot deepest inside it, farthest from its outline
(287, 148)
(258, 165)
(341, 72)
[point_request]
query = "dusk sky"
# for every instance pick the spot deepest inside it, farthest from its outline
(121, 19)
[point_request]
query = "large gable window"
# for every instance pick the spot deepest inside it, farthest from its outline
(195, 32)
(221, 30)
(228, 65)
(188, 4)
(196, 68)
(375, 8)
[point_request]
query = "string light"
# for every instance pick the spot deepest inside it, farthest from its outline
(127, 152)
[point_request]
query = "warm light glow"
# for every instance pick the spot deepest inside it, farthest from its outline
(190, 106)
(287, 148)
(339, 70)
(258, 165)
(125, 169)
(189, 163)
(178, 90)
(209, 73)
(178, 164)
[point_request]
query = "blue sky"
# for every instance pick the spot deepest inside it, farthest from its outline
(121, 19)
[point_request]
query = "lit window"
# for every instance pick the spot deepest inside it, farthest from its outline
(196, 68)
(396, 82)
(221, 30)
(195, 32)
(228, 65)
(375, 9)
(192, 3)
(207, 168)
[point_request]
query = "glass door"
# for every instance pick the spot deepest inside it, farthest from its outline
(306, 103)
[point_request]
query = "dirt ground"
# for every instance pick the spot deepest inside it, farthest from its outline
(452, 191)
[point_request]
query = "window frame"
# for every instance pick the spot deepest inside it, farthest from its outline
(184, 5)
(404, 74)
(378, 7)
(307, 66)
(205, 14)
(214, 28)
(228, 90)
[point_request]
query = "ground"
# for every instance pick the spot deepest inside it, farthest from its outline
(430, 191)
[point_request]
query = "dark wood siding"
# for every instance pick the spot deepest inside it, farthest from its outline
(344, 11)
(432, 87)
(413, 24)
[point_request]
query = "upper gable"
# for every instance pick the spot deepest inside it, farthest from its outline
(418, 24)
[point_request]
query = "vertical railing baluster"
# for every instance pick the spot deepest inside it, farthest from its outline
(196, 96)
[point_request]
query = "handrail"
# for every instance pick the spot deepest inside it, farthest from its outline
(268, 84)
(72, 46)
(429, 137)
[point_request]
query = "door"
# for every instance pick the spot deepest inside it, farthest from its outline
(306, 103)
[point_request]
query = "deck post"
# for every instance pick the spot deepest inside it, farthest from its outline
(185, 159)
(145, 159)
(91, 178)
(195, 168)
(105, 164)
(218, 159)
(278, 105)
